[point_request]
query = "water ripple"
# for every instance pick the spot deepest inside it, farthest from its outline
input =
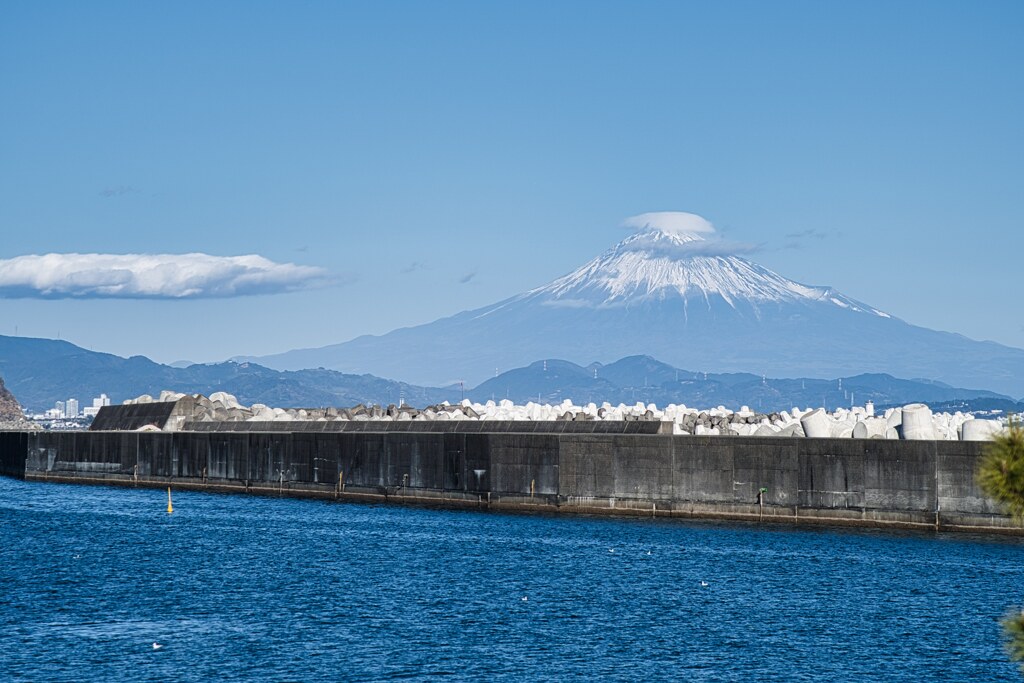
(239, 588)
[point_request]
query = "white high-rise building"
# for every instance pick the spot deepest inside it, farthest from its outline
(58, 408)
(71, 408)
(103, 400)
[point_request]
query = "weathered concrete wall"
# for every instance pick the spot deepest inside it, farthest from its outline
(838, 481)
(13, 449)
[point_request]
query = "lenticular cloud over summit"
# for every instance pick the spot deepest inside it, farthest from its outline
(674, 291)
(150, 276)
(670, 223)
(677, 234)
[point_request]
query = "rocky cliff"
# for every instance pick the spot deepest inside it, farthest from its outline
(11, 416)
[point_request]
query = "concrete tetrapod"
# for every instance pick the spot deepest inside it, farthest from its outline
(980, 430)
(857, 422)
(917, 422)
(816, 424)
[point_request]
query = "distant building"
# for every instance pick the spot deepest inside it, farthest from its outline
(71, 408)
(58, 409)
(97, 403)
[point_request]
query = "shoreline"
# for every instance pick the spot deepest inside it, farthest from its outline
(553, 505)
(925, 485)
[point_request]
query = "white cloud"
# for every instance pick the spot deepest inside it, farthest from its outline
(669, 222)
(118, 191)
(150, 276)
(696, 248)
(567, 303)
(677, 234)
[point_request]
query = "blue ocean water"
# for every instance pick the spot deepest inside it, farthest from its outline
(248, 588)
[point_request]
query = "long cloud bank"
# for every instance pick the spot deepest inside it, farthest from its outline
(151, 276)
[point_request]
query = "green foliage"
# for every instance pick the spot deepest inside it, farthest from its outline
(1013, 626)
(1001, 475)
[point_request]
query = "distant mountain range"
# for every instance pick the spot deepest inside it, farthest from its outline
(679, 297)
(42, 371)
(644, 379)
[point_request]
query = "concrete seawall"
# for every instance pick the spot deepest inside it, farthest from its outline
(862, 482)
(13, 452)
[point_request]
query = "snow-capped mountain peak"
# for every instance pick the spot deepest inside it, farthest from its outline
(680, 258)
(676, 291)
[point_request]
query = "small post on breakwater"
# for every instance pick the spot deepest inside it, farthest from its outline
(760, 503)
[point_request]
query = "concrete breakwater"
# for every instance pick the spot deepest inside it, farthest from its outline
(912, 422)
(13, 452)
(595, 468)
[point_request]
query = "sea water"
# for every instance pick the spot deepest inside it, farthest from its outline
(103, 584)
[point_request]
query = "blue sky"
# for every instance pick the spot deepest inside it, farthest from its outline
(412, 160)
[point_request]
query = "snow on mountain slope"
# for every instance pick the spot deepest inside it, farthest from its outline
(672, 291)
(655, 264)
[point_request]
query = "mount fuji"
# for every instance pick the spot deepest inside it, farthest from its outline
(673, 291)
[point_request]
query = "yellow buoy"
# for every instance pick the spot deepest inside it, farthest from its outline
(170, 508)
